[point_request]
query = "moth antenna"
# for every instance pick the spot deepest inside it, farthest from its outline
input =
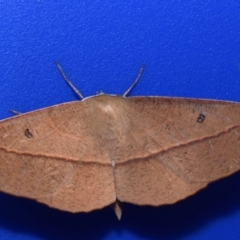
(68, 81)
(135, 81)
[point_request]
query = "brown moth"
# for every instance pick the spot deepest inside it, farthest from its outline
(106, 149)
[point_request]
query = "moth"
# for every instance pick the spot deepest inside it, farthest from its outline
(107, 149)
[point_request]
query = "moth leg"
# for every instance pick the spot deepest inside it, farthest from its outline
(135, 81)
(15, 112)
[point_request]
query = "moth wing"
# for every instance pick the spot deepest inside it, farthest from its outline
(176, 147)
(50, 155)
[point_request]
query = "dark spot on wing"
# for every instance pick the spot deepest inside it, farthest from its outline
(201, 118)
(28, 133)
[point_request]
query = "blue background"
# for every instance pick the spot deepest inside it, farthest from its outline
(189, 48)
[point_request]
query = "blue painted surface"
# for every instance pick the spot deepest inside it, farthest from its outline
(190, 49)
